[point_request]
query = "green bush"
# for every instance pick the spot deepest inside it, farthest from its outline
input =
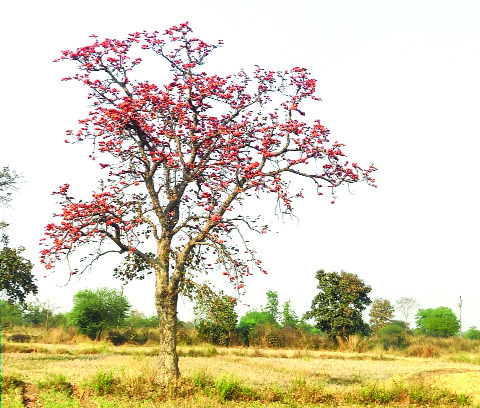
(228, 388)
(95, 311)
(102, 382)
(473, 333)
(393, 336)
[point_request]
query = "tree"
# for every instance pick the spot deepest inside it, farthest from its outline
(9, 181)
(338, 307)
(138, 319)
(11, 314)
(472, 333)
(98, 310)
(216, 317)
(290, 319)
(438, 322)
(181, 159)
(251, 322)
(272, 307)
(40, 313)
(405, 306)
(17, 280)
(381, 313)
(393, 334)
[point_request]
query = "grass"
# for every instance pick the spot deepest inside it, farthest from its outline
(72, 372)
(106, 376)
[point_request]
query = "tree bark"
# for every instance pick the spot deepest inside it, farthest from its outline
(166, 304)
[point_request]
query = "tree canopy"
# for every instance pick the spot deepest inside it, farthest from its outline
(438, 322)
(406, 306)
(9, 182)
(216, 318)
(337, 308)
(17, 280)
(180, 159)
(97, 310)
(381, 313)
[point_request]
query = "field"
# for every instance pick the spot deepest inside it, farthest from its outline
(101, 375)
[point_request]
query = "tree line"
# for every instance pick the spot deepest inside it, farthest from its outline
(336, 313)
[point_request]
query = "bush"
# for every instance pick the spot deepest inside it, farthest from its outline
(228, 388)
(102, 382)
(95, 311)
(393, 336)
(473, 333)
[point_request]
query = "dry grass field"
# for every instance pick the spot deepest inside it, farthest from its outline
(101, 375)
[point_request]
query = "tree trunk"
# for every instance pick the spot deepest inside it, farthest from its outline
(166, 304)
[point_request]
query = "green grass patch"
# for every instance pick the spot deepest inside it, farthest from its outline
(414, 393)
(102, 382)
(56, 382)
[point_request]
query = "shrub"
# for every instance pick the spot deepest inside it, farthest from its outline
(102, 382)
(393, 336)
(228, 388)
(473, 333)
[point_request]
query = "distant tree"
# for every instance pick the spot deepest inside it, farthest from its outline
(9, 182)
(138, 319)
(251, 322)
(17, 280)
(393, 334)
(216, 317)
(406, 307)
(381, 313)
(16, 276)
(439, 322)
(95, 311)
(473, 333)
(338, 308)
(11, 314)
(289, 318)
(272, 307)
(40, 313)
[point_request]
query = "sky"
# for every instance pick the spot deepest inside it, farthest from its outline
(400, 87)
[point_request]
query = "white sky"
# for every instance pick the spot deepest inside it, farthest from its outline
(400, 83)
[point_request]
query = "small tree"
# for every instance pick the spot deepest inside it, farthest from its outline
(338, 308)
(180, 159)
(250, 323)
(95, 311)
(393, 334)
(17, 280)
(380, 314)
(16, 276)
(272, 307)
(439, 322)
(9, 182)
(216, 317)
(472, 333)
(290, 319)
(11, 314)
(406, 306)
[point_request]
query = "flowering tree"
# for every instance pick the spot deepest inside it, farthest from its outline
(180, 159)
